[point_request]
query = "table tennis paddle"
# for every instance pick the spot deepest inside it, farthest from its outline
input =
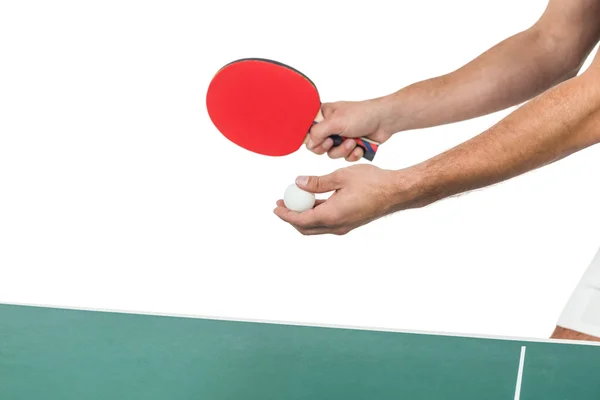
(268, 107)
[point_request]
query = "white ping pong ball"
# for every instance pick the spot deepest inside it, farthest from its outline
(297, 199)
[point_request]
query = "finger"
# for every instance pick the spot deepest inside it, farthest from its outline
(281, 203)
(320, 184)
(321, 131)
(310, 231)
(305, 220)
(320, 230)
(343, 150)
(313, 231)
(356, 154)
(323, 147)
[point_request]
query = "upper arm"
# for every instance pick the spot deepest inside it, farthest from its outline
(571, 28)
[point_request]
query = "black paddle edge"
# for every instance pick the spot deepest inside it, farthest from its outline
(271, 62)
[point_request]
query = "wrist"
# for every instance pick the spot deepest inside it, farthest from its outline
(396, 112)
(390, 114)
(415, 187)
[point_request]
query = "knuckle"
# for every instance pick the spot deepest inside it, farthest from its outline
(357, 154)
(301, 230)
(315, 182)
(340, 175)
(336, 153)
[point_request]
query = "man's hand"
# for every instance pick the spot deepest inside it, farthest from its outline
(558, 123)
(362, 194)
(352, 120)
(514, 71)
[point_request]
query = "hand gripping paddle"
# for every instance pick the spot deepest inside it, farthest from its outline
(268, 107)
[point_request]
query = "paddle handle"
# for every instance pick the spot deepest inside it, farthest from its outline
(368, 146)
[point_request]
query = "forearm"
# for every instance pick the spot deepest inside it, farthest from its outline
(564, 120)
(569, 334)
(514, 71)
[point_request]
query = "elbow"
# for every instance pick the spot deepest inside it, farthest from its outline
(573, 66)
(572, 70)
(562, 53)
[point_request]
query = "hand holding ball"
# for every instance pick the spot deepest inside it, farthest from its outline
(297, 199)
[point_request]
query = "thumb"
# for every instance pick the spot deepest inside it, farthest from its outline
(322, 130)
(319, 184)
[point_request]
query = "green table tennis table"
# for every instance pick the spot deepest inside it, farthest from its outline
(64, 354)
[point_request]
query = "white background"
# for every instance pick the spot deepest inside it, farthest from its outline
(116, 192)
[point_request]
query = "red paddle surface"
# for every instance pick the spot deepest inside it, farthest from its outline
(263, 107)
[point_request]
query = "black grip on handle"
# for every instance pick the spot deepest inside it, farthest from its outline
(337, 140)
(368, 150)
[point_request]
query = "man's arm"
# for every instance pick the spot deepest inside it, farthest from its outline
(557, 123)
(569, 334)
(512, 72)
(562, 121)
